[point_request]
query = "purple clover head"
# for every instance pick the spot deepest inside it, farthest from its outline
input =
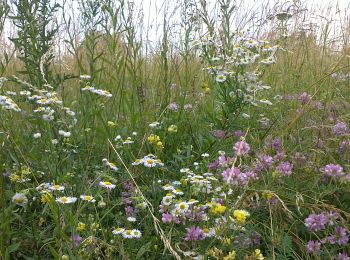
(241, 148)
(333, 170)
(167, 218)
(313, 247)
(316, 222)
(173, 106)
(339, 129)
(194, 234)
(340, 236)
(285, 168)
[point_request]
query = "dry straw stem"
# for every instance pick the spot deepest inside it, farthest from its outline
(150, 208)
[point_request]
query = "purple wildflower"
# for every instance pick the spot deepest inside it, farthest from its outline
(340, 236)
(230, 175)
(313, 247)
(173, 106)
(343, 256)
(213, 165)
(316, 222)
(194, 234)
(333, 170)
(339, 129)
(241, 148)
(331, 218)
(266, 161)
(167, 217)
(304, 98)
(76, 240)
(285, 168)
(187, 107)
(219, 134)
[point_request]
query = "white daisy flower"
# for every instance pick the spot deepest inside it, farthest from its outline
(131, 219)
(182, 207)
(220, 77)
(177, 192)
(136, 233)
(56, 187)
(107, 185)
(168, 187)
(118, 231)
(20, 199)
(66, 200)
(37, 135)
(87, 198)
(149, 162)
(127, 233)
(167, 200)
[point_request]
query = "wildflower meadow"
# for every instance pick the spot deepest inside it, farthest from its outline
(161, 129)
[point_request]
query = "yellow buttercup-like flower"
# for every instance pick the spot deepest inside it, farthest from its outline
(241, 215)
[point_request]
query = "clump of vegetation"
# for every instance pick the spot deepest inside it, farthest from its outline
(225, 136)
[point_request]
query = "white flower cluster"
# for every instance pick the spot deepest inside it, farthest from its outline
(100, 92)
(8, 104)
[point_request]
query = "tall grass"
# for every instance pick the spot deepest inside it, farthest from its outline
(87, 83)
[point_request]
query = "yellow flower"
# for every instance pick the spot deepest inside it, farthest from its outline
(81, 226)
(160, 145)
(218, 209)
(231, 256)
(46, 198)
(215, 253)
(172, 129)
(153, 139)
(258, 255)
(240, 215)
(226, 241)
(267, 195)
(111, 124)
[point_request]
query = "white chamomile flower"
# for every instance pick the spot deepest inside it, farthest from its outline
(221, 77)
(107, 185)
(131, 219)
(20, 199)
(56, 187)
(37, 135)
(64, 133)
(118, 231)
(66, 200)
(182, 207)
(127, 233)
(177, 192)
(136, 233)
(168, 187)
(87, 198)
(167, 200)
(154, 124)
(149, 162)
